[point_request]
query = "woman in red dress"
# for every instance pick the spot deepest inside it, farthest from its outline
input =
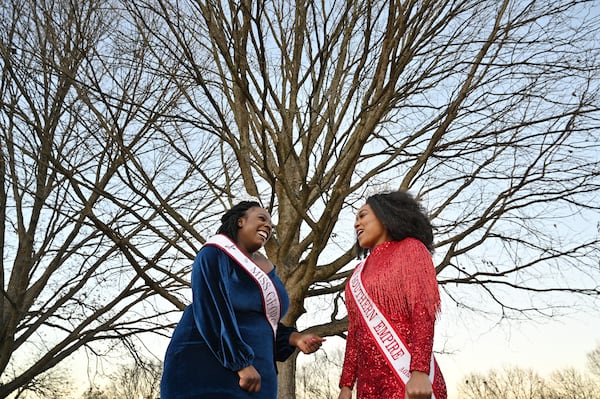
(397, 285)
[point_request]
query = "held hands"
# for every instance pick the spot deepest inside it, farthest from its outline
(306, 342)
(249, 379)
(418, 386)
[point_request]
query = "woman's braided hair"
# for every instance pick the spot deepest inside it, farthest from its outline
(229, 221)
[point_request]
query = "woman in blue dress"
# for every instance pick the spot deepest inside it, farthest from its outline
(227, 341)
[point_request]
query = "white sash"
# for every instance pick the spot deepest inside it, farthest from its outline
(270, 297)
(386, 338)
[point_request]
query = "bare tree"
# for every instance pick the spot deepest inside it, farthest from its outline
(56, 383)
(512, 383)
(94, 393)
(318, 378)
(85, 259)
(518, 383)
(594, 361)
(128, 126)
(487, 110)
(140, 380)
(572, 384)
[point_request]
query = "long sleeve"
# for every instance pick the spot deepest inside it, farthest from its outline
(348, 376)
(421, 346)
(423, 301)
(283, 349)
(213, 311)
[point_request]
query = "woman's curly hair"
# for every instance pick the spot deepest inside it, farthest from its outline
(403, 216)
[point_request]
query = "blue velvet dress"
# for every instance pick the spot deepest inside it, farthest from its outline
(224, 330)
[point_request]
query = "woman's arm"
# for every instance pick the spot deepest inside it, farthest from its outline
(213, 310)
(348, 376)
(421, 318)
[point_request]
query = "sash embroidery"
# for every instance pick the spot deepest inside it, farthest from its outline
(270, 297)
(388, 342)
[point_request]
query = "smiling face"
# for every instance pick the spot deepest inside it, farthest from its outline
(370, 232)
(255, 229)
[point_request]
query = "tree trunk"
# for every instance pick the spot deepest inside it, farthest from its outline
(287, 377)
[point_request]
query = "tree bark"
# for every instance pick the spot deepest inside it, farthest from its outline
(287, 377)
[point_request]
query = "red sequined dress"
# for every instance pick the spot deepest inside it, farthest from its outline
(400, 278)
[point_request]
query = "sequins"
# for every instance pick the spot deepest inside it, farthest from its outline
(382, 278)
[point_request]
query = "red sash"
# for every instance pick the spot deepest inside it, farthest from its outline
(389, 343)
(270, 297)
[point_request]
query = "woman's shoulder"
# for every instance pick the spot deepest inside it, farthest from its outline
(210, 253)
(405, 243)
(208, 249)
(412, 243)
(407, 250)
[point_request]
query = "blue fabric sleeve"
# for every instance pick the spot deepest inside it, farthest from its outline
(283, 349)
(213, 312)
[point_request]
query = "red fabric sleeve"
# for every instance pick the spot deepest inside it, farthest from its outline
(423, 300)
(348, 376)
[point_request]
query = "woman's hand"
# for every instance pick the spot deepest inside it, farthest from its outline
(249, 379)
(345, 393)
(418, 386)
(306, 342)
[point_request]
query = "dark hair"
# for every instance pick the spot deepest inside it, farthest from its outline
(229, 221)
(403, 216)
